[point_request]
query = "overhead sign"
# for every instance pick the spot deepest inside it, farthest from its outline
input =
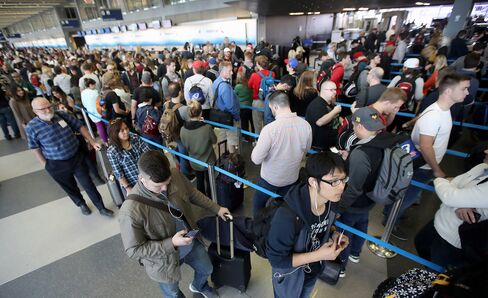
(13, 35)
(70, 23)
(111, 14)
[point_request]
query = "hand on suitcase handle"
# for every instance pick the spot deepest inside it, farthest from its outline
(224, 213)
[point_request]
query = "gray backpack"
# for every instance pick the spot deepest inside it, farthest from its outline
(395, 171)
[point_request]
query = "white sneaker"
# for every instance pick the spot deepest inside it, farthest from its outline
(207, 292)
(342, 273)
(354, 259)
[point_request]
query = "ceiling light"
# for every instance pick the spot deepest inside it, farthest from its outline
(363, 8)
(419, 3)
(317, 12)
(426, 4)
(309, 12)
(349, 9)
(296, 13)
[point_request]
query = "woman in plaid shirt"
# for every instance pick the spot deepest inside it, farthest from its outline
(124, 153)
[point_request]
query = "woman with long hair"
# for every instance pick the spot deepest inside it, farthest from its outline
(124, 152)
(440, 62)
(60, 99)
(305, 92)
(89, 99)
(21, 107)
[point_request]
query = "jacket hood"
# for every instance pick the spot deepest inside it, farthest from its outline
(298, 199)
(192, 125)
(384, 140)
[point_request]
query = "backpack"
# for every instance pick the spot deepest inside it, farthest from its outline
(214, 72)
(248, 71)
(150, 126)
(102, 107)
(266, 83)
(408, 86)
(345, 135)
(395, 171)
(262, 224)
(169, 127)
(196, 93)
(324, 75)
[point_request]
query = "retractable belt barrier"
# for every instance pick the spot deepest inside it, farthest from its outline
(370, 238)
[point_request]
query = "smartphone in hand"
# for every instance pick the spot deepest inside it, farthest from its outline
(192, 233)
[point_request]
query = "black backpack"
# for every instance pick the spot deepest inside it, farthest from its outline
(262, 224)
(408, 86)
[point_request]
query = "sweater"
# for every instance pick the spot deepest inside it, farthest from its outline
(461, 192)
(199, 138)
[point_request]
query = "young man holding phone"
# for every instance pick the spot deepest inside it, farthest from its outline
(154, 224)
(300, 238)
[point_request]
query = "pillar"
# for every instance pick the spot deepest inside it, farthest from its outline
(456, 22)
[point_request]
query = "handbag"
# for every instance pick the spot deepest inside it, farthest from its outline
(474, 240)
(332, 269)
(217, 115)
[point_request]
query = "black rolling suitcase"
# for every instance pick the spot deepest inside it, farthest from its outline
(231, 267)
(230, 192)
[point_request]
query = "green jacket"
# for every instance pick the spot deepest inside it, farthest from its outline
(244, 94)
(199, 138)
(147, 232)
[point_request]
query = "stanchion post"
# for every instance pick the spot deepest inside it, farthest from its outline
(239, 142)
(213, 193)
(87, 122)
(378, 250)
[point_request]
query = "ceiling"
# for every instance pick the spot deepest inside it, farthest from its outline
(284, 7)
(12, 11)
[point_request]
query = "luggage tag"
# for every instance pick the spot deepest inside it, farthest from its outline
(238, 184)
(62, 123)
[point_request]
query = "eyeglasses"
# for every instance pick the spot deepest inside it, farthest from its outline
(44, 109)
(335, 183)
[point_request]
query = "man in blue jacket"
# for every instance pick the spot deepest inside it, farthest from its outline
(299, 238)
(227, 101)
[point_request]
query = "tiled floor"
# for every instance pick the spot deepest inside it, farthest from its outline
(49, 249)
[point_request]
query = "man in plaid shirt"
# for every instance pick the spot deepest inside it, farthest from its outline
(57, 148)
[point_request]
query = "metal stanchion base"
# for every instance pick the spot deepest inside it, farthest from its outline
(380, 251)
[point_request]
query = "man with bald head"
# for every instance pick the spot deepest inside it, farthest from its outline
(372, 93)
(51, 137)
(323, 116)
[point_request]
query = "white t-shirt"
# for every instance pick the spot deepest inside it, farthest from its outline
(437, 123)
(89, 101)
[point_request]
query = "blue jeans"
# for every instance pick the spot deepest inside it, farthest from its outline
(259, 200)
(7, 118)
(412, 195)
(358, 221)
(184, 163)
(200, 262)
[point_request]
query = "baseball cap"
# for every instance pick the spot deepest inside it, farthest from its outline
(292, 62)
(369, 118)
(146, 77)
(198, 64)
(212, 61)
(412, 63)
(357, 55)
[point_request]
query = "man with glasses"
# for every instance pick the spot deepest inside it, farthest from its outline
(323, 116)
(300, 238)
(155, 220)
(51, 136)
(280, 149)
(364, 162)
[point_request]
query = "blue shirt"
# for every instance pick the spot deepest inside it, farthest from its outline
(227, 99)
(55, 138)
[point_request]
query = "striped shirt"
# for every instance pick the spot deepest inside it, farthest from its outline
(55, 138)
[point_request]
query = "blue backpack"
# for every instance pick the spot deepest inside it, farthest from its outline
(266, 83)
(196, 93)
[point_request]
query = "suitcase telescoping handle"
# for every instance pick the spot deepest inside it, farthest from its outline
(230, 219)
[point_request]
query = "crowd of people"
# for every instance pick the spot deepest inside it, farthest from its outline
(165, 96)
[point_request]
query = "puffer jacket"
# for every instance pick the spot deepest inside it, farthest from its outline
(147, 232)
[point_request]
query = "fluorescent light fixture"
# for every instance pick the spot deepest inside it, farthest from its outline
(296, 13)
(317, 12)
(363, 8)
(349, 9)
(309, 12)
(426, 4)
(419, 3)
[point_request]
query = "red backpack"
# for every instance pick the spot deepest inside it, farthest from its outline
(408, 86)
(150, 125)
(325, 75)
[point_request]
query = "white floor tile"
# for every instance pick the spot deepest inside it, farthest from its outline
(39, 236)
(18, 164)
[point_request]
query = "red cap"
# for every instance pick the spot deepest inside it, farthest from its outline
(198, 64)
(357, 55)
